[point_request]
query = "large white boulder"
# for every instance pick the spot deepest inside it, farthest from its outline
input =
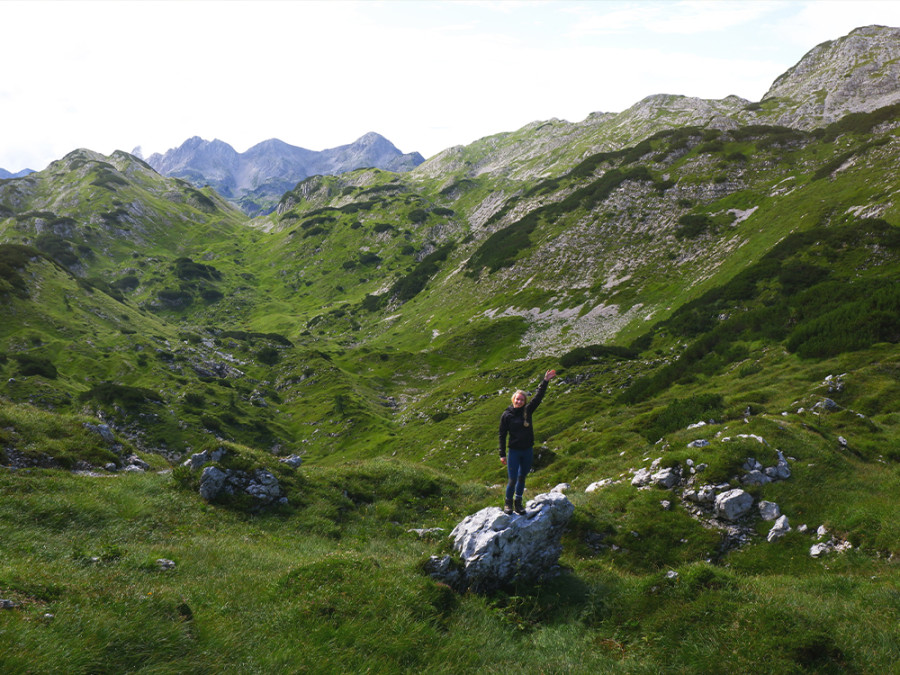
(497, 549)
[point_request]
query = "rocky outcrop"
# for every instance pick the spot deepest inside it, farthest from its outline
(723, 506)
(218, 482)
(859, 72)
(496, 549)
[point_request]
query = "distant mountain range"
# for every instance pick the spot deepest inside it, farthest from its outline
(256, 179)
(4, 174)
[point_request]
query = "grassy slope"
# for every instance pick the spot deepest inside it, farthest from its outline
(332, 582)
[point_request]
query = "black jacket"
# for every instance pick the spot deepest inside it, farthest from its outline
(513, 423)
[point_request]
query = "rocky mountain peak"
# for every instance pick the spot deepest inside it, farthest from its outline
(257, 178)
(859, 72)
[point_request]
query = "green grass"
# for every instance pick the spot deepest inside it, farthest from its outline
(333, 584)
(346, 328)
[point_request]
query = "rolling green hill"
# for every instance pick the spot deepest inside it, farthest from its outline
(743, 275)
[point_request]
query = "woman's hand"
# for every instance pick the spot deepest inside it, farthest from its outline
(550, 374)
(503, 461)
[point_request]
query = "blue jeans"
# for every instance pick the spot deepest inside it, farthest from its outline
(518, 464)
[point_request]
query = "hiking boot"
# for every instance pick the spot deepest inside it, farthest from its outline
(508, 507)
(518, 507)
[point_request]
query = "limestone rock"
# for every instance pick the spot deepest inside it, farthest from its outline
(641, 477)
(497, 549)
(200, 459)
(293, 460)
(733, 504)
(769, 510)
(667, 478)
(779, 529)
(212, 483)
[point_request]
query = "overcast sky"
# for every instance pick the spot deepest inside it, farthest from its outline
(427, 75)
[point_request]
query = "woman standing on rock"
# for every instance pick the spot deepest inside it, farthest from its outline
(515, 422)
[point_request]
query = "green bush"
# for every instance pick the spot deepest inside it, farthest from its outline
(57, 248)
(13, 260)
(174, 298)
(127, 283)
(31, 364)
(409, 286)
(268, 355)
(590, 353)
(187, 269)
(692, 225)
(130, 398)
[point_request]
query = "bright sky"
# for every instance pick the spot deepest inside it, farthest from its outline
(425, 74)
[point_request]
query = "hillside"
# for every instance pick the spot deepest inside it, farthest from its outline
(716, 283)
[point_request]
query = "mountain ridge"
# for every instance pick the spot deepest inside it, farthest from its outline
(862, 67)
(260, 175)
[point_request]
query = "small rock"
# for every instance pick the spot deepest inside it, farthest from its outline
(733, 504)
(769, 510)
(561, 488)
(165, 564)
(593, 487)
(641, 478)
(755, 478)
(699, 443)
(667, 478)
(779, 529)
(817, 550)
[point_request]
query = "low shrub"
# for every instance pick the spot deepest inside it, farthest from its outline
(31, 364)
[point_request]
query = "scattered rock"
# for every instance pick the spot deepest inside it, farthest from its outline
(769, 510)
(641, 477)
(831, 546)
(260, 484)
(294, 461)
(165, 564)
(212, 483)
(667, 478)
(699, 443)
(755, 478)
(779, 529)
(201, 459)
(733, 504)
(561, 488)
(135, 463)
(103, 430)
(593, 487)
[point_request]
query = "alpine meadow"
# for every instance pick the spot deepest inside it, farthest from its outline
(715, 281)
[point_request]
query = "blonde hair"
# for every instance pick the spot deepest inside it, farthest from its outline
(516, 393)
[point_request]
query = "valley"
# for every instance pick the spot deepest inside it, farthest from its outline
(725, 263)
